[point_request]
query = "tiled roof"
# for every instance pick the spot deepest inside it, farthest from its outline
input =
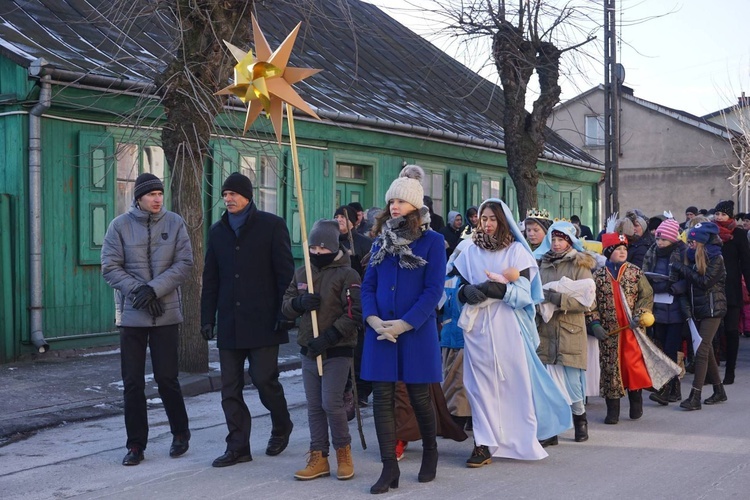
(376, 72)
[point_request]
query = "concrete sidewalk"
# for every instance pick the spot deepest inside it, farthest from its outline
(66, 386)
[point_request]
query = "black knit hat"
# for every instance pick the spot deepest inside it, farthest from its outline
(351, 213)
(357, 206)
(238, 183)
(145, 183)
(725, 206)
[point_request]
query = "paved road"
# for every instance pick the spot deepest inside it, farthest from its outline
(669, 453)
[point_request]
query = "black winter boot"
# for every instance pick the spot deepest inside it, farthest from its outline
(613, 411)
(719, 396)
(729, 375)
(662, 396)
(419, 395)
(693, 402)
(675, 393)
(581, 425)
(388, 478)
(636, 404)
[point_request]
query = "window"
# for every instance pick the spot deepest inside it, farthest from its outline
(594, 130)
(345, 171)
(263, 179)
(129, 158)
(433, 187)
(491, 189)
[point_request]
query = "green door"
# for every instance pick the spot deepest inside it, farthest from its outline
(349, 192)
(7, 336)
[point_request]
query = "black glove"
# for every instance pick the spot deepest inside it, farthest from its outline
(676, 271)
(598, 331)
(471, 295)
(306, 302)
(155, 308)
(283, 324)
(142, 296)
(207, 331)
(553, 297)
(492, 289)
(316, 347)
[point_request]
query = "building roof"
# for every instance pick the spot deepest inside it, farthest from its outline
(376, 72)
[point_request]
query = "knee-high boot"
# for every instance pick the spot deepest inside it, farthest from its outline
(383, 407)
(613, 411)
(419, 396)
(733, 345)
(636, 404)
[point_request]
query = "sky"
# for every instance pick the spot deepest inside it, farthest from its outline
(691, 55)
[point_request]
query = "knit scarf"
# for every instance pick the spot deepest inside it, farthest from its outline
(395, 238)
(489, 242)
(551, 256)
(726, 228)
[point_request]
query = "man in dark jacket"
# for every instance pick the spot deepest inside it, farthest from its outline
(146, 256)
(249, 264)
(436, 221)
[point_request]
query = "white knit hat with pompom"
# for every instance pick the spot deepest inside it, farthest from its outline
(408, 186)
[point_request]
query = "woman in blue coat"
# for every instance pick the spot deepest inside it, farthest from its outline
(400, 293)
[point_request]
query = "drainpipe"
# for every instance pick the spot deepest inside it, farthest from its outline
(35, 205)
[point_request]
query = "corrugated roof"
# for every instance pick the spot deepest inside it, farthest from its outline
(373, 67)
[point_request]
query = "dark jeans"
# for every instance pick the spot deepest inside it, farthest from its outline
(264, 374)
(669, 336)
(163, 342)
(706, 369)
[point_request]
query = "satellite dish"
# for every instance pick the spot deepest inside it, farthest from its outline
(620, 73)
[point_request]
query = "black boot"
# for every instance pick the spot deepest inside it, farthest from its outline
(693, 402)
(581, 425)
(662, 396)
(729, 375)
(419, 396)
(636, 404)
(388, 478)
(549, 442)
(675, 393)
(613, 411)
(479, 457)
(719, 396)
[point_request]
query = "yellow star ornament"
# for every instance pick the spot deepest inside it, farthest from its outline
(266, 81)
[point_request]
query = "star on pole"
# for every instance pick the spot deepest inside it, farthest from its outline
(265, 81)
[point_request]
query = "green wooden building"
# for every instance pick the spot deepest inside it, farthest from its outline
(80, 119)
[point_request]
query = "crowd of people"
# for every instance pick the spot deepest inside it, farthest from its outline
(477, 323)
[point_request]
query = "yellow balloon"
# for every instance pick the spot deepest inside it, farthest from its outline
(647, 319)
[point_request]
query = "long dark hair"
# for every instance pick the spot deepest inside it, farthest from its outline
(413, 220)
(503, 230)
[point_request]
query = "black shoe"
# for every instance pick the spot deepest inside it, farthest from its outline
(675, 393)
(388, 478)
(232, 457)
(662, 397)
(719, 396)
(636, 404)
(581, 425)
(428, 470)
(613, 411)
(277, 444)
(693, 402)
(134, 456)
(180, 445)
(469, 425)
(728, 376)
(479, 457)
(549, 442)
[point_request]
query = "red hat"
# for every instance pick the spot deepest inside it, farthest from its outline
(610, 241)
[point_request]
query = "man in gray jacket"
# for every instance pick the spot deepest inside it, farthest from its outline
(146, 256)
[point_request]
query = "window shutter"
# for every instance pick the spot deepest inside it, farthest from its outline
(96, 193)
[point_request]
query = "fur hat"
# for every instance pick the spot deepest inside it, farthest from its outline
(351, 213)
(610, 241)
(702, 232)
(145, 183)
(626, 225)
(408, 187)
(325, 233)
(668, 230)
(725, 206)
(238, 183)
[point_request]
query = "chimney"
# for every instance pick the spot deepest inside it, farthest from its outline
(743, 101)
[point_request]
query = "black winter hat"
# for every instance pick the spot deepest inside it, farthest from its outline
(725, 206)
(145, 183)
(238, 183)
(357, 206)
(325, 233)
(692, 210)
(351, 213)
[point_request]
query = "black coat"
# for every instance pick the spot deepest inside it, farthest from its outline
(244, 280)
(637, 250)
(362, 245)
(736, 253)
(706, 293)
(452, 238)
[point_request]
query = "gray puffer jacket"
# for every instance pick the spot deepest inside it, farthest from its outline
(126, 264)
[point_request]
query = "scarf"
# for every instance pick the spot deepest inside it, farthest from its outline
(489, 242)
(236, 221)
(395, 238)
(726, 228)
(551, 256)
(712, 251)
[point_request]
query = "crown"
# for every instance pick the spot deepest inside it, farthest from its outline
(561, 219)
(538, 213)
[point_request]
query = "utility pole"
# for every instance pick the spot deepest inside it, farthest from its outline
(612, 80)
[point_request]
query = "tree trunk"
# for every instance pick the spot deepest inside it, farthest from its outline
(200, 67)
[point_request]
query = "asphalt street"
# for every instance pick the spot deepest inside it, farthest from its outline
(669, 453)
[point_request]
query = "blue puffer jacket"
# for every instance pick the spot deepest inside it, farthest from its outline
(451, 336)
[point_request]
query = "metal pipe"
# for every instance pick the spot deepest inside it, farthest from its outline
(35, 213)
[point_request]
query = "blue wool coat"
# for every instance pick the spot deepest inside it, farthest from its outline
(412, 295)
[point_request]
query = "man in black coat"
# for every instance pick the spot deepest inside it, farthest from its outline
(248, 266)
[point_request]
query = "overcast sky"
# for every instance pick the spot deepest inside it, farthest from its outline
(692, 55)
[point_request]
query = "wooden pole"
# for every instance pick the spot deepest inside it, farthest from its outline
(302, 224)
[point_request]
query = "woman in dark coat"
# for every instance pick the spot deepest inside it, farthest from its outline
(402, 287)
(704, 279)
(736, 253)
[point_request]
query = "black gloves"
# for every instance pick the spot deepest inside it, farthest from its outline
(493, 289)
(598, 331)
(316, 347)
(142, 296)
(306, 302)
(553, 297)
(207, 331)
(155, 308)
(470, 294)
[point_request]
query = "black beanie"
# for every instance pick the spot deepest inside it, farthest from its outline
(351, 213)
(725, 206)
(145, 183)
(238, 183)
